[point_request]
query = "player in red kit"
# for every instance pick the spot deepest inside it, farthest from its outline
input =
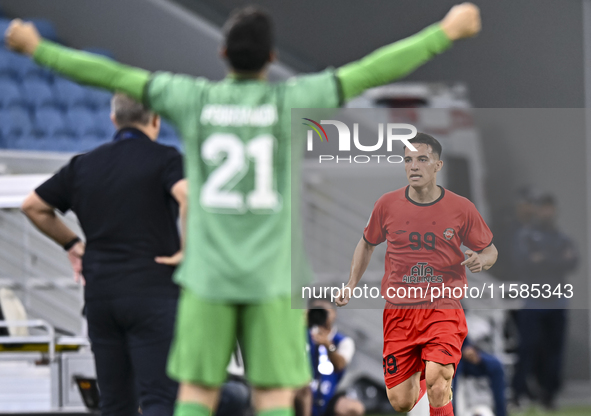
(424, 226)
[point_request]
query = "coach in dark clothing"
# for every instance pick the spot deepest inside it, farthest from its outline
(543, 255)
(126, 195)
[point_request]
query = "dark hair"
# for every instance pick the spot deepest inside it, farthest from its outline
(129, 112)
(249, 39)
(424, 138)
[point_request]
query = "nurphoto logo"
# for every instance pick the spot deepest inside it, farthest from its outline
(387, 132)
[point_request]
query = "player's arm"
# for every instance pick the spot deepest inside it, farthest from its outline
(478, 261)
(43, 216)
(179, 191)
(84, 68)
(361, 258)
(398, 59)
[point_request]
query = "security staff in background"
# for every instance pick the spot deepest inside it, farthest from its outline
(543, 255)
(126, 194)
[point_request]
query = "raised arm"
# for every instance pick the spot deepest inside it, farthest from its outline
(82, 67)
(361, 258)
(398, 59)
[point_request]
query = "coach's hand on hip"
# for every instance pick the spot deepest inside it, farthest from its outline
(173, 260)
(75, 254)
(462, 21)
(22, 37)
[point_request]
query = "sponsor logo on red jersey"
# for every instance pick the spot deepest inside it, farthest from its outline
(422, 273)
(449, 233)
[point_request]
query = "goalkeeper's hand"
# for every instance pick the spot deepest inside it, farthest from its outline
(22, 37)
(462, 21)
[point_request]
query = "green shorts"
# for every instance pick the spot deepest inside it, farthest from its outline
(272, 339)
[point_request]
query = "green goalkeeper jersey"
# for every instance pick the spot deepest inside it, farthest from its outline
(237, 136)
(238, 160)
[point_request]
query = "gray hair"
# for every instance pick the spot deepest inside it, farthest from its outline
(129, 112)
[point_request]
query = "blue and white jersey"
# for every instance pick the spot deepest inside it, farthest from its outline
(326, 378)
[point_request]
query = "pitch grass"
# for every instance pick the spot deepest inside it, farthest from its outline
(566, 411)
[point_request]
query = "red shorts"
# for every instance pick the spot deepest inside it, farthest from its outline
(413, 336)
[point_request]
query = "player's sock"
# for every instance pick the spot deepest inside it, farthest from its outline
(422, 391)
(191, 409)
(447, 410)
(276, 412)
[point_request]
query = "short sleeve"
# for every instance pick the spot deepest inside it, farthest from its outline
(319, 90)
(374, 232)
(173, 170)
(475, 234)
(173, 96)
(346, 349)
(57, 190)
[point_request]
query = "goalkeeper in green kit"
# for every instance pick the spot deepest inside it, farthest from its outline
(236, 133)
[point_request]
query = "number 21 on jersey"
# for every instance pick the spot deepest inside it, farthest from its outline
(232, 159)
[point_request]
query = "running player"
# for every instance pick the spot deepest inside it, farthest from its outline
(424, 226)
(236, 134)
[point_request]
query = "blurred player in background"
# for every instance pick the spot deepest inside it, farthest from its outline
(236, 134)
(424, 226)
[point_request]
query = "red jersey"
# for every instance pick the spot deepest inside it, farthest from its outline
(424, 243)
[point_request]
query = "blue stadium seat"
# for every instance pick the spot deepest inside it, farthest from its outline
(14, 122)
(92, 140)
(26, 142)
(10, 93)
(166, 130)
(103, 122)
(98, 99)
(60, 141)
(36, 73)
(48, 121)
(81, 120)
(4, 22)
(45, 28)
(6, 68)
(21, 64)
(69, 92)
(38, 93)
(171, 141)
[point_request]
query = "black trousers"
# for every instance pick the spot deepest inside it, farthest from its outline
(542, 334)
(130, 340)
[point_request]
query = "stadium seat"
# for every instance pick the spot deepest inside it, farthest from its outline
(6, 68)
(26, 142)
(81, 120)
(38, 93)
(4, 22)
(92, 140)
(36, 73)
(10, 93)
(166, 130)
(69, 93)
(14, 122)
(103, 122)
(61, 141)
(98, 99)
(48, 121)
(45, 28)
(21, 64)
